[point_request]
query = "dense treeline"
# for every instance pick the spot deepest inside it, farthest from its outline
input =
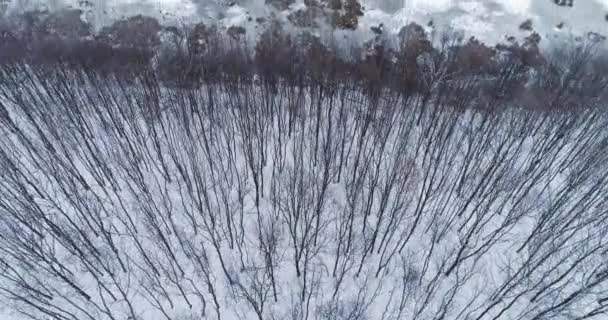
(187, 175)
(140, 42)
(409, 62)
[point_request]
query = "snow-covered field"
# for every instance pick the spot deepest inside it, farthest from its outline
(491, 21)
(128, 200)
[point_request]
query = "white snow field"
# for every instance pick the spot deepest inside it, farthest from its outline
(128, 200)
(490, 21)
(249, 197)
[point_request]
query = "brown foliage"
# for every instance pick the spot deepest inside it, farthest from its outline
(349, 17)
(274, 54)
(475, 56)
(134, 32)
(526, 25)
(413, 42)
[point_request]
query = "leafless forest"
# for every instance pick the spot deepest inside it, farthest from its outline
(208, 179)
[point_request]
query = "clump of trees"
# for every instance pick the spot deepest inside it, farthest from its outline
(138, 32)
(42, 36)
(182, 56)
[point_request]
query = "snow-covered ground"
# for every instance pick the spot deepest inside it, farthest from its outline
(130, 200)
(492, 20)
(488, 20)
(127, 200)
